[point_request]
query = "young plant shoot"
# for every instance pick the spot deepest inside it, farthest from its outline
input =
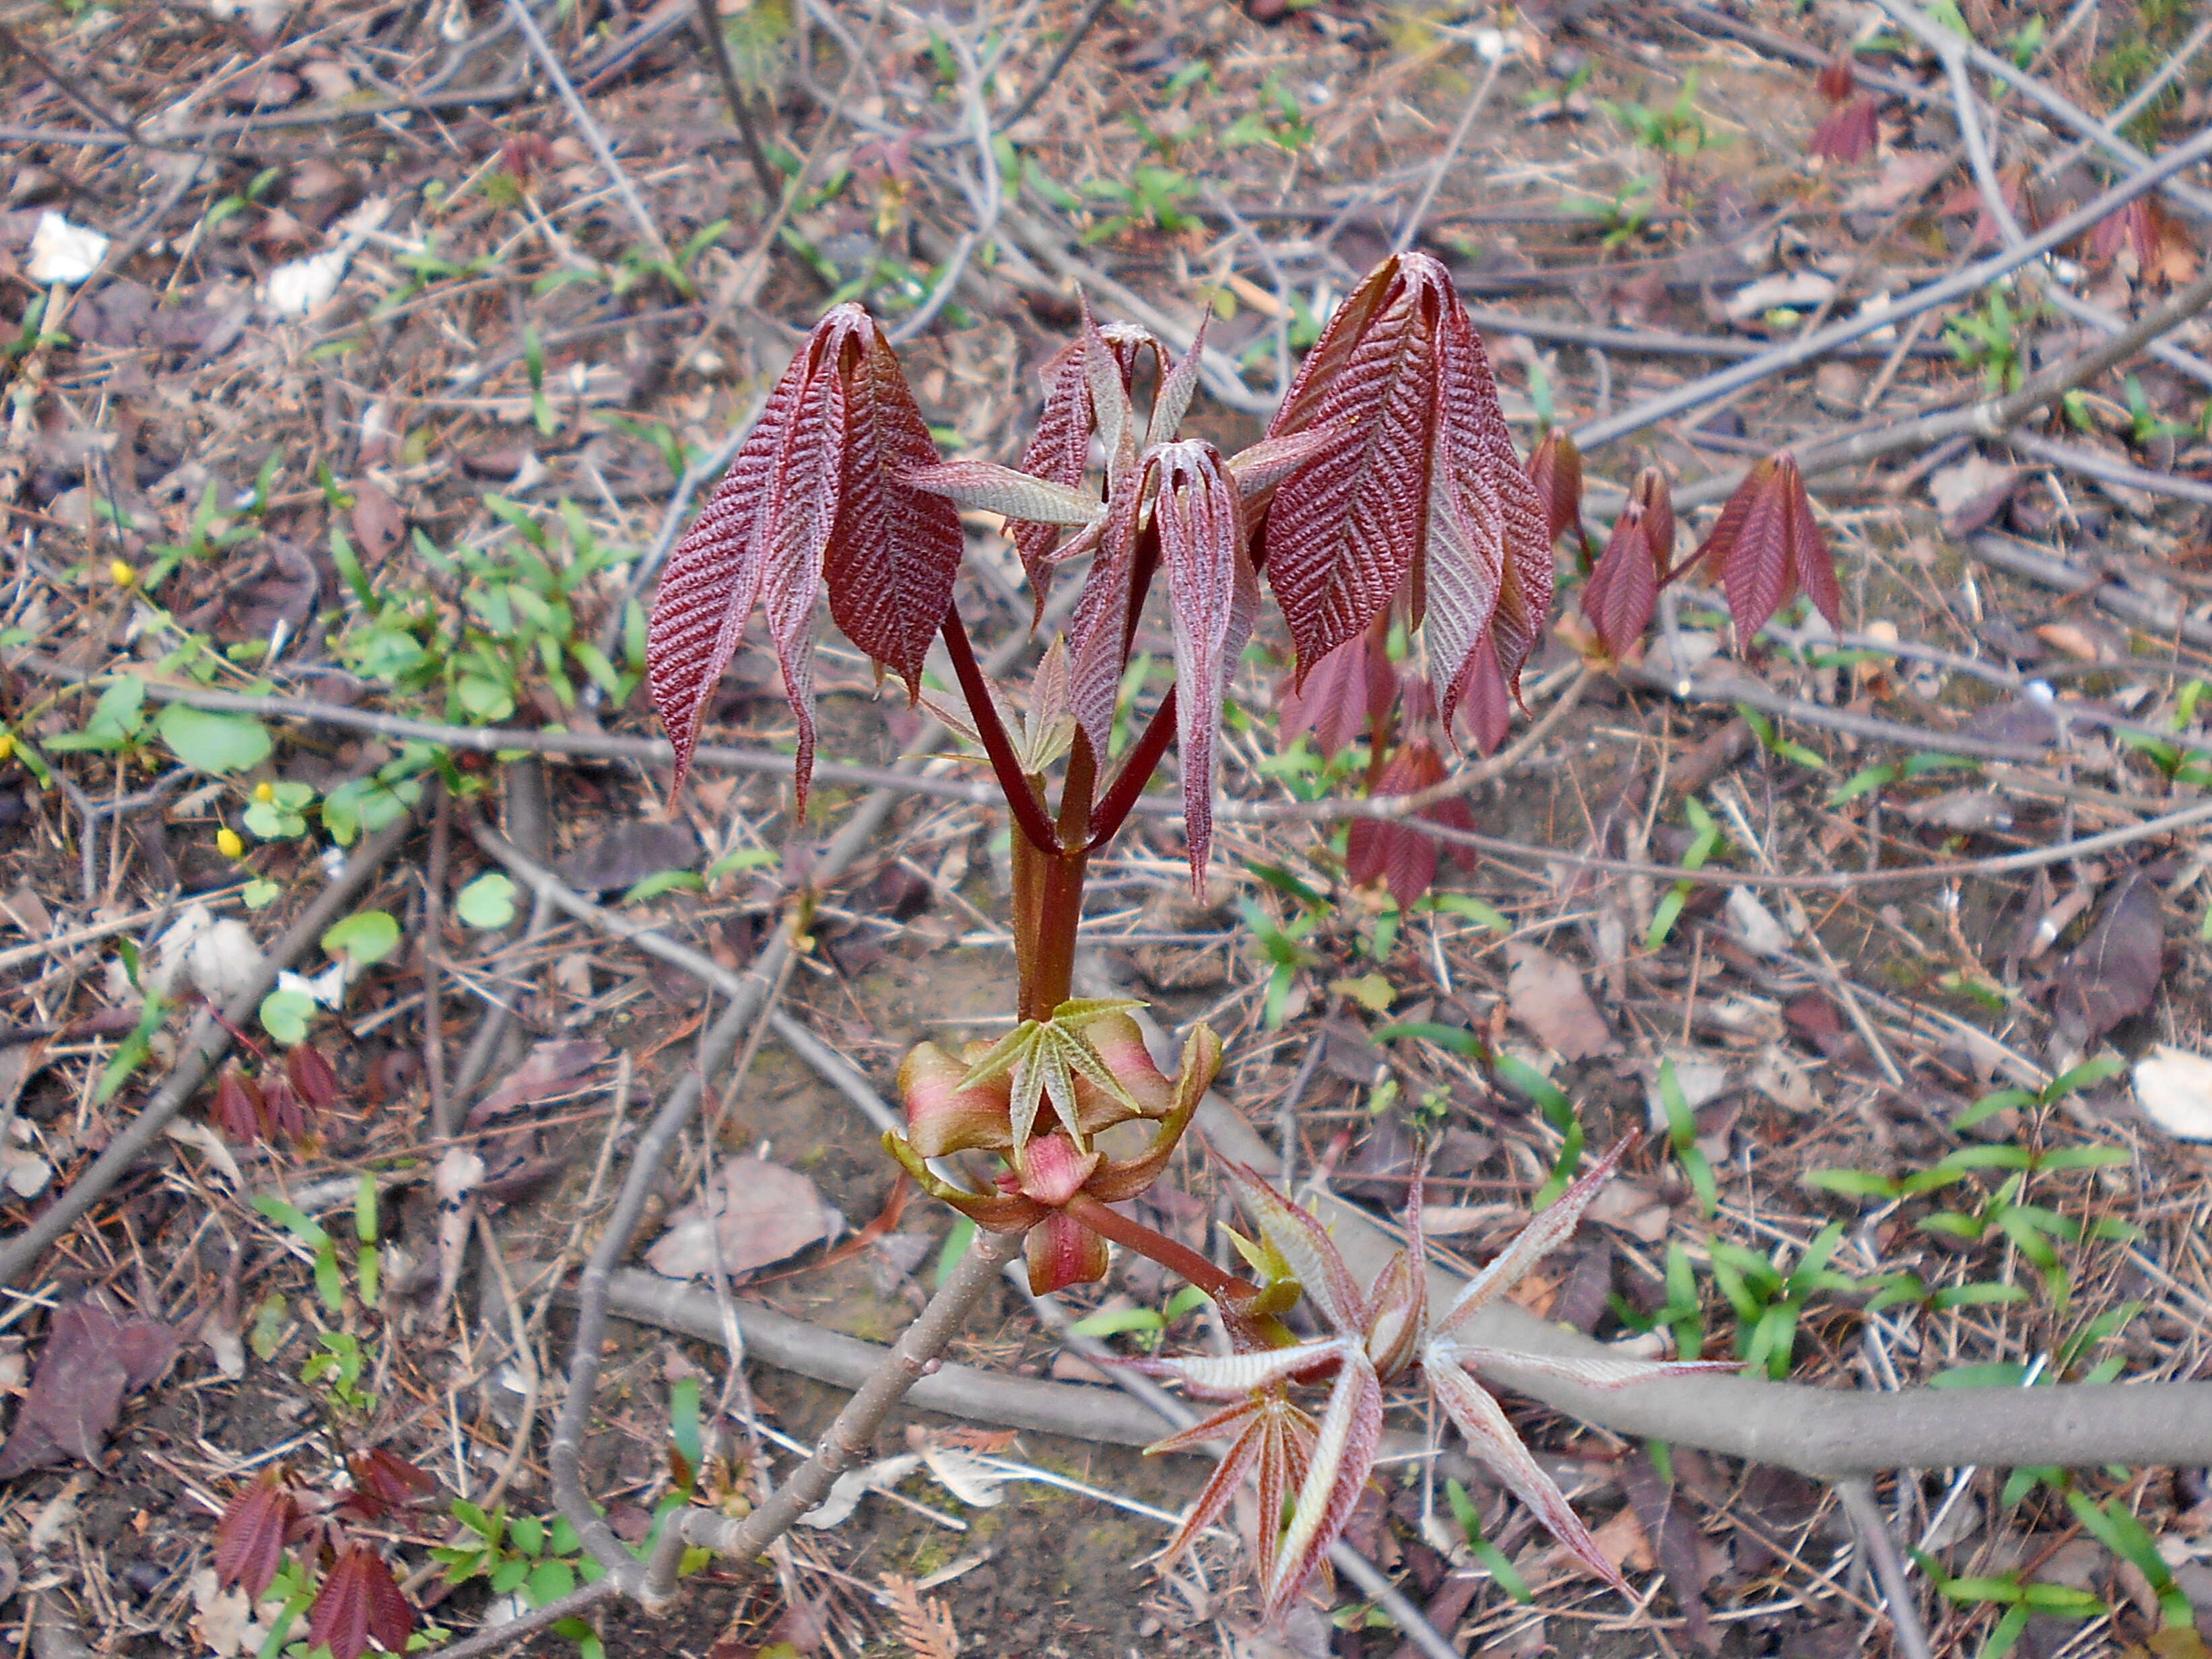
(1385, 503)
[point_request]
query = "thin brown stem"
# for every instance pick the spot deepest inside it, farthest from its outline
(718, 49)
(850, 1439)
(1021, 795)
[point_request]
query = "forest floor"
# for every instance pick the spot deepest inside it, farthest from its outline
(356, 369)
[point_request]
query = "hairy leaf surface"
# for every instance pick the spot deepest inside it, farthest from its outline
(1215, 599)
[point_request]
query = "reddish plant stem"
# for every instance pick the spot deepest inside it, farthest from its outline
(1021, 795)
(1109, 1224)
(1137, 769)
(1047, 953)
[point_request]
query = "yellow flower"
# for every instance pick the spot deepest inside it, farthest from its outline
(264, 791)
(229, 843)
(123, 574)
(7, 746)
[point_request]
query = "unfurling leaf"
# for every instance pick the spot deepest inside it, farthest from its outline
(249, 1539)
(359, 1604)
(1766, 547)
(1215, 597)
(1395, 852)
(817, 497)
(1556, 470)
(1424, 503)
(1835, 81)
(1623, 590)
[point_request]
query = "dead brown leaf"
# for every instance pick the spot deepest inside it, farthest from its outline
(753, 1213)
(2114, 973)
(553, 1068)
(1546, 994)
(91, 1359)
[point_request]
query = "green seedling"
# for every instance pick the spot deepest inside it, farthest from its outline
(1682, 1139)
(523, 1556)
(1147, 1325)
(1989, 339)
(1771, 741)
(1152, 197)
(2021, 1601)
(1710, 839)
(1768, 1300)
(1491, 1558)
(1286, 957)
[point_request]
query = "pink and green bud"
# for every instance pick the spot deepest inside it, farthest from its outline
(941, 1117)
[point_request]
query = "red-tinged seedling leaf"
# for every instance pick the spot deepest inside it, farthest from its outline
(1623, 590)
(1836, 81)
(1349, 691)
(894, 551)
(1213, 597)
(1097, 638)
(1343, 531)
(1767, 546)
(250, 1538)
(312, 1077)
(1398, 1301)
(360, 1605)
(1488, 569)
(1058, 452)
(1392, 851)
(817, 496)
(1846, 134)
(383, 1482)
(1267, 1436)
(981, 487)
(240, 1111)
(1178, 386)
(1343, 1458)
(287, 1118)
(1545, 1233)
(776, 501)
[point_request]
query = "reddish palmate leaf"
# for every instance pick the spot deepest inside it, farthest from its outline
(1487, 562)
(311, 1077)
(1349, 691)
(383, 1482)
(250, 1539)
(1199, 520)
(240, 1111)
(1423, 501)
(1623, 590)
(360, 1606)
(1393, 850)
(1847, 133)
(1343, 530)
(1766, 547)
(817, 496)
(1058, 451)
